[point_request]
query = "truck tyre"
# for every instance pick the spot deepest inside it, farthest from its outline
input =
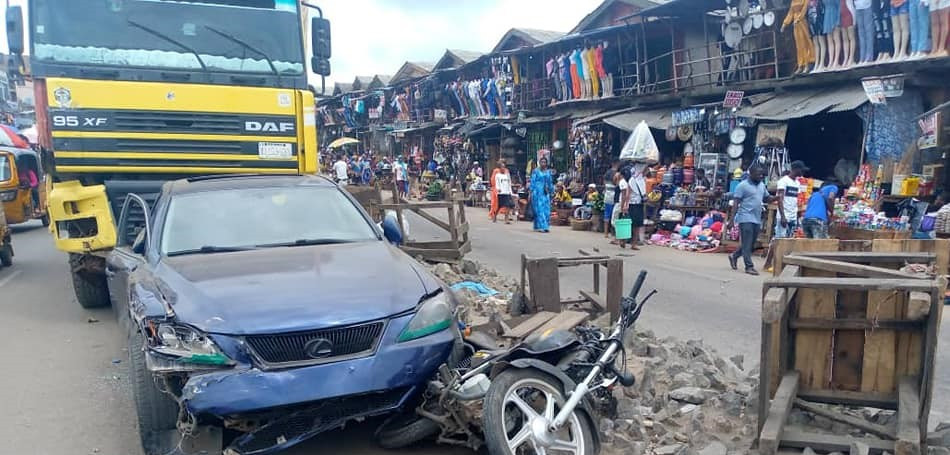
(91, 289)
(404, 430)
(6, 254)
(157, 411)
(45, 220)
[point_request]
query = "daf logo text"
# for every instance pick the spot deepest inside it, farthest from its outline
(269, 127)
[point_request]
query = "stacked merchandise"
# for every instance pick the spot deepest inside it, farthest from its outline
(692, 234)
(858, 208)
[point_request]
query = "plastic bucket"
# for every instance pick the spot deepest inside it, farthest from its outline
(623, 228)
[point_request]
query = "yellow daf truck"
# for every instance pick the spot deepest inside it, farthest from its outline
(132, 93)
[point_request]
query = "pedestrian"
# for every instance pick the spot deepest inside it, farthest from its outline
(820, 211)
(635, 209)
(401, 173)
(493, 207)
(542, 185)
(501, 189)
(623, 200)
(592, 194)
(341, 171)
(746, 210)
(787, 194)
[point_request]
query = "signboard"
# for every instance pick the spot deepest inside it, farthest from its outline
(771, 134)
(929, 131)
(372, 113)
(687, 116)
(874, 89)
(733, 98)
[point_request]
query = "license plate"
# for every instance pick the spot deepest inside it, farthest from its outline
(275, 150)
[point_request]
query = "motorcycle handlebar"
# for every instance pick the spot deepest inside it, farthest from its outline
(638, 284)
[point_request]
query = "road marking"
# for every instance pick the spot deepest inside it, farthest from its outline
(9, 277)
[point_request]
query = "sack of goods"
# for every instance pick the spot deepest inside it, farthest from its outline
(671, 215)
(640, 146)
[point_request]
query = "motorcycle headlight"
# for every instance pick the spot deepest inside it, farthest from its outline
(434, 315)
(187, 345)
(7, 196)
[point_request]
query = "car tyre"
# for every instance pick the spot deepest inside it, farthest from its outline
(92, 291)
(404, 430)
(157, 412)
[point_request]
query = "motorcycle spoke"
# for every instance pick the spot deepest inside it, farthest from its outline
(525, 408)
(565, 446)
(519, 438)
(549, 406)
(538, 450)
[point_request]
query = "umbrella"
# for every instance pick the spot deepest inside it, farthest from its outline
(343, 141)
(14, 137)
(31, 134)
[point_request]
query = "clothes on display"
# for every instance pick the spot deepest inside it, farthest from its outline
(919, 13)
(883, 29)
(797, 18)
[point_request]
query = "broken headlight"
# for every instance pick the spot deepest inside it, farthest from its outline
(186, 345)
(434, 315)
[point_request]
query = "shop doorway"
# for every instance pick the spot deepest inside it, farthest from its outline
(821, 140)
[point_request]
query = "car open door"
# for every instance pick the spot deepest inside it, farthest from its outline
(134, 233)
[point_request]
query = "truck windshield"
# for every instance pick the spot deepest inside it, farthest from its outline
(236, 219)
(232, 36)
(5, 173)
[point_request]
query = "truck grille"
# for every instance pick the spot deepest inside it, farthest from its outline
(301, 347)
(196, 122)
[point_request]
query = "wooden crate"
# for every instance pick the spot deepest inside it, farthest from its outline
(842, 325)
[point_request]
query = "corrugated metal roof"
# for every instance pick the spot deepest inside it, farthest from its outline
(627, 121)
(543, 118)
(803, 103)
(602, 115)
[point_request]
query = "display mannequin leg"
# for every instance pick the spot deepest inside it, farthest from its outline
(818, 53)
(850, 46)
(944, 16)
(901, 25)
(834, 48)
(824, 63)
(935, 46)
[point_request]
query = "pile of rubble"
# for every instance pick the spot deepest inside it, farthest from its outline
(688, 399)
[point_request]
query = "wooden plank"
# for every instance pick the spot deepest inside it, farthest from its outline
(462, 230)
(872, 257)
(848, 357)
(862, 424)
(614, 287)
(813, 347)
(453, 223)
(854, 324)
(432, 219)
(855, 284)
(776, 300)
(909, 347)
(785, 247)
(771, 435)
(565, 320)
(574, 262)
(596, 299)
(849, 398)
(929, 359)
(768, 363)
(419, 205)
(848, 268)
(908, 417)
(859, 448)
(830, 443)
(880, 355)
(529, 325)
(918, 306)
(545, 285)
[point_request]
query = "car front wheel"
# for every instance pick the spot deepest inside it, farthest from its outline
(157, 411)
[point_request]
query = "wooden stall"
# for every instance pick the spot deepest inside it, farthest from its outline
(842, 324)
(542, 275)
(455, 225)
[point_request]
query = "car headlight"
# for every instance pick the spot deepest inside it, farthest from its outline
(434, 315)
(187, 345)
(7, 196)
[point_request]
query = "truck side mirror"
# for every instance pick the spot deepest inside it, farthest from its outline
(320, 66)
(320, 37)
(15, 29)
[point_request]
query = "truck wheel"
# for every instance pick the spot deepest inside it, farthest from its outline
(45, 220)
(91, 289)
(157, 412)
(6, 255)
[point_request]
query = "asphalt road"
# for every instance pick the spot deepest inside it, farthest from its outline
(64, 385)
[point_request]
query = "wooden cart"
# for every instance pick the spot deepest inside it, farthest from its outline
(842, 325)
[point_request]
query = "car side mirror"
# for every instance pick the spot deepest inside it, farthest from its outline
(138, 246)
(391, 228)
(15, 29)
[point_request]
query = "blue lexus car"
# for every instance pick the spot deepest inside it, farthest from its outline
(263, 310)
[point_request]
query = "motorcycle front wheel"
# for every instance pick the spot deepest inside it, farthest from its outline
(518, 410)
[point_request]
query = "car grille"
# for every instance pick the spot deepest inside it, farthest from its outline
(345, 342)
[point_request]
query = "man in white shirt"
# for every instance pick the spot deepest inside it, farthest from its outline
(341, 170)
(787, 194)
(502, 185)
(400, 172)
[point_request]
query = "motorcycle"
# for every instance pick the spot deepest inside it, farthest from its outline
(539, 396)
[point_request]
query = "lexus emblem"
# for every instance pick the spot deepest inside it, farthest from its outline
(318, 348)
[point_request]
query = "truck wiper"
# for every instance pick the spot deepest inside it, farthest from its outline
(306, 242)
(248, 47)
(170, 40)
(211, 249)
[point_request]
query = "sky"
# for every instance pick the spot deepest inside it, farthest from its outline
(376, 36)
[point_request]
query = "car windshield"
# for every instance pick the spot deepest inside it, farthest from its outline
(236, 219)
(5, 172)
(227, 35)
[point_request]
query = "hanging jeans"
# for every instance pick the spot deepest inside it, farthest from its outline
(919, 26)
(748, 233)
(864, 19)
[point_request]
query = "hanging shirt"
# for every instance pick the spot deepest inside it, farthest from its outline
(790, 201)
(579, 62)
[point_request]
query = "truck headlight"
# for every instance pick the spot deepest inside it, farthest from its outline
(434, 315)
(7, 196)
(187, 345)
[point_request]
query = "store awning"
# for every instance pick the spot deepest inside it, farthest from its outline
(602, 115)
(627, 121)
(543, 118)
(802, 103)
